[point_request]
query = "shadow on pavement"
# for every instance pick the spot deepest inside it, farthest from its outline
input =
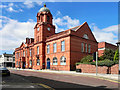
(53, 84)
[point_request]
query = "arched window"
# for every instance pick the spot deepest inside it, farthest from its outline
(48, 59)
(38, 61)
(30, 62)
(54, 61)
(85, 36)
(62, 60)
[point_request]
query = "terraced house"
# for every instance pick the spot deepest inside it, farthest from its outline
(56, 51)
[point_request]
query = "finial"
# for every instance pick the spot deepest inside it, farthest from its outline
(44, 5)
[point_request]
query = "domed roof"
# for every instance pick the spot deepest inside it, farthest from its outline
(44, 9)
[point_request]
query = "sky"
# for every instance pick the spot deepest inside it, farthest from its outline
(17, 20)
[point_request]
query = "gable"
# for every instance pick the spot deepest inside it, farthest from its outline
(22, 45)
(84, 31)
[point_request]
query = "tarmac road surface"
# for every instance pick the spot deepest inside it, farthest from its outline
(31, 80)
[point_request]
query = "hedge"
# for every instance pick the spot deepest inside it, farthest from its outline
(105, 62)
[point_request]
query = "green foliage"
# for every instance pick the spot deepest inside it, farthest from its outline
(108, 54)
(116, 56)
(82, 63)
(105, 62)
(100, 58)
(88, 58)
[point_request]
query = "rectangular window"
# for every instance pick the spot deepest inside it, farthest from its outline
(82, 47)
(63, 46)
(17, 63)
(85, 47)
(13, 58)
(38, 61)
(48, 49)
(7, 58)
(37, 50)
(23, 53)
(89, 48)
(26, 52)
(54, 47)
(30, 52)
(30, 62)
(19, 54)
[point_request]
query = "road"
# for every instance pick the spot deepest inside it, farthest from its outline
(40, 80)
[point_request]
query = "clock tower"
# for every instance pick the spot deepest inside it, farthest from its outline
(44, 26)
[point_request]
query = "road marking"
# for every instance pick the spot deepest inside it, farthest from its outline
(43, 85)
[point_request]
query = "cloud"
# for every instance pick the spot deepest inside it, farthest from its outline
(108, 34)
(15, 32)
(65, 22)
(3, 6)
(58, 13)
(113, 28)
(30, 4)
(10, 4)
(10, 7)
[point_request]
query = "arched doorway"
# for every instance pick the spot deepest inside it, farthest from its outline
(48, 63)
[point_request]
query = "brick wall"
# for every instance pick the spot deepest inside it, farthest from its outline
(104, 45)
(58, 54)
(75, 44)
(86, 68)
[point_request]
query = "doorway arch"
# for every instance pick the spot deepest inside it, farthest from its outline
(48, 63)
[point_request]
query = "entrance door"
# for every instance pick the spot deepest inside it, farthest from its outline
(48, 63)
(23, 65)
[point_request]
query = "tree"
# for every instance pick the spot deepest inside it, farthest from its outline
(108, 54)
(88, 58)
(116, 56)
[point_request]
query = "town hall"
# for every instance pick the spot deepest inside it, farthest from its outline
(55, 51)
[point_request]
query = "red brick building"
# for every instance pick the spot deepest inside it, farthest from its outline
(57, 51)
(104, 45)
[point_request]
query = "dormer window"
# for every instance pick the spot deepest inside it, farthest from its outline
(85, 36)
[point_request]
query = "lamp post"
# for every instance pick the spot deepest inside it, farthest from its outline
(96, 63)
(95, 57)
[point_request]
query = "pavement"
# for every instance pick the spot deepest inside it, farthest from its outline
(108, 77)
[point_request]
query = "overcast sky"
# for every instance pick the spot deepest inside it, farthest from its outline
(17, 20)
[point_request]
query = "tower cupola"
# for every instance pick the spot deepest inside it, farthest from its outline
(44, 9)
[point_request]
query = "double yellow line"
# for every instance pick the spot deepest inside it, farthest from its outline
(45, 86)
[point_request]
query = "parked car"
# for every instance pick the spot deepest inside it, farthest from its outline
(4, 71)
